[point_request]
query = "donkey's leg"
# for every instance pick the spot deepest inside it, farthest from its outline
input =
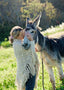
(51, 74)
(60, 70)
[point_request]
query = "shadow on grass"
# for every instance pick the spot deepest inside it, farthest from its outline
(61, 87)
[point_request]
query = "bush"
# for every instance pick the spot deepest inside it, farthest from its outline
(6, 44)
(4, 31)
(0, 43)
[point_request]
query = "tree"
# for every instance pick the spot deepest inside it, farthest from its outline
(42, 1)
(10, 11)
(58, 4)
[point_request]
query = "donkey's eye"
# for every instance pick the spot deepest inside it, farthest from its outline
(32, 32)
(27, 29)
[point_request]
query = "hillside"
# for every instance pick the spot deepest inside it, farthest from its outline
(54, 32)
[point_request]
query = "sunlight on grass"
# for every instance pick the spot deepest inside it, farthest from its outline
(7, 69)
(53, 30)
(8, 73)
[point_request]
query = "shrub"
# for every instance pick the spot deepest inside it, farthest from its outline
(0, 43)
(4, 31)
(6, 44)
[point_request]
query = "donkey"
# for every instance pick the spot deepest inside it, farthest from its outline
(51, 50)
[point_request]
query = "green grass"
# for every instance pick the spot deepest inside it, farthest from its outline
(8, 73)
(7, 69)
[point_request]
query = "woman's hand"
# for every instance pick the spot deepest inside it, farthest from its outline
(29, 36)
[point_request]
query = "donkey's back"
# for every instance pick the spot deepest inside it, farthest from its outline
(60, 43)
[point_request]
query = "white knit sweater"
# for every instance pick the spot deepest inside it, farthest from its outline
(24, 58)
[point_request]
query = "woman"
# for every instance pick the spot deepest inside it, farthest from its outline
(27, 61)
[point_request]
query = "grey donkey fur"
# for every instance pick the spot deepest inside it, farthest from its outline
(52, 50)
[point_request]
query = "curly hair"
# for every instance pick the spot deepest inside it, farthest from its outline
(14, 33)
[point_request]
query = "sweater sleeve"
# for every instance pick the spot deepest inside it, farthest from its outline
(18, 51)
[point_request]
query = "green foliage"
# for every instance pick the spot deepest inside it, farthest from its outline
(50, 10)
(48, 16)
(14, 12)
(31, 9)
(58, 4)
(5, 31)
(5, 39)
(5, 44)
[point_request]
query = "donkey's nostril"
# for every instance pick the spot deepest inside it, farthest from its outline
(25, 44)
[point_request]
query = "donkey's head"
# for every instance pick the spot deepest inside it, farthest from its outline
(32, 26)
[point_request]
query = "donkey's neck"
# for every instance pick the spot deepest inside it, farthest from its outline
(41, 39)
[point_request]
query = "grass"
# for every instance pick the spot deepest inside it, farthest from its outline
(8, 73)
(7, 69)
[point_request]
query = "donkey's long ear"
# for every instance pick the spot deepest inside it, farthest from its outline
(37, 20)
(27, 20)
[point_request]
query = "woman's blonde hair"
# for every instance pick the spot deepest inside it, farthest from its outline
(14, 33)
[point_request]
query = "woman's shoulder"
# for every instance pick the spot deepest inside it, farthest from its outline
(17, 43)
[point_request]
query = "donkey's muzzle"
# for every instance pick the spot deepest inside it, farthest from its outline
(26, 43)
(26, 46)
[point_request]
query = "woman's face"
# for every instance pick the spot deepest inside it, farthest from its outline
(21, 35)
